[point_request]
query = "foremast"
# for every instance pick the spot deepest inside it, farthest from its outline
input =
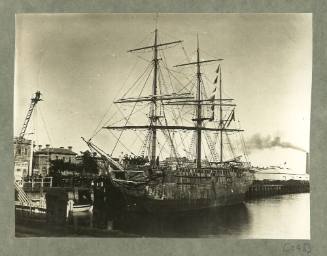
(153, 118)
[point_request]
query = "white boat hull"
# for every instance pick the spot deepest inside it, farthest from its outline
(82, 208)
(72, 207)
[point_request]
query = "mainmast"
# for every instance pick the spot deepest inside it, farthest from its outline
(198, 110)
(199, 119)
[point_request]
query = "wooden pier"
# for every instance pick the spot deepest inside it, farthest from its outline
(277, 187)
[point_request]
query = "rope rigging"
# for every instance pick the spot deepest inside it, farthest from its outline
(168, 82)
(99, 126)
(130, 113)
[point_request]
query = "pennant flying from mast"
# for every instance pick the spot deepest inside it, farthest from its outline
(213, 95)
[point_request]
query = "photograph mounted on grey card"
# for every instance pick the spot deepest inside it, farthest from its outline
(162, 125)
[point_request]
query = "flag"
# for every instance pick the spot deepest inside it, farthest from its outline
(212, 113)
(233, 116)
(212, 116)
(213, 94)
(212, 98)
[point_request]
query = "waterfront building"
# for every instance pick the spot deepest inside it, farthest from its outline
(22, 158)
(43, 157)
(274, 173)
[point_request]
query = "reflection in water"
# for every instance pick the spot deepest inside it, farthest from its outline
(215, 222)
(280, 217)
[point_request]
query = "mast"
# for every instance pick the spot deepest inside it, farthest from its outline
(198, 109)
(154, 97)
(153, 116)
(198, 102)
(220, 118)
(177, 99)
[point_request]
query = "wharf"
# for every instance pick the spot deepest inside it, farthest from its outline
(265, 188)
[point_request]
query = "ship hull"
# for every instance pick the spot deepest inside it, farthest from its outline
(185, 191)
(136, 204)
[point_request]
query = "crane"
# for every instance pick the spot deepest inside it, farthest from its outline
(34, 101)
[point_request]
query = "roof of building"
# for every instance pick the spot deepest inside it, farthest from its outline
(22, 141)
(61, 151)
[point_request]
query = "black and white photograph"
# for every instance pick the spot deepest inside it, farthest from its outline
(160, 125)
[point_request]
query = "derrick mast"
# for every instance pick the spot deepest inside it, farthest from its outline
(34, 101)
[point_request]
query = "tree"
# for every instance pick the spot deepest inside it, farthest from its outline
(89, 162)
(55, 171)
(58, 166)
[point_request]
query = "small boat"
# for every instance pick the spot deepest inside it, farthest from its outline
(72, 207)
(79, 200)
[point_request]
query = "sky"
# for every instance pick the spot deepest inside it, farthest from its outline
(80, 64)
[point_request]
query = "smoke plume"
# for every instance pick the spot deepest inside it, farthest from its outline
(259, 142)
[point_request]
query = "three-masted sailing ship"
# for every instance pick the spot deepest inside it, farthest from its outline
(178, 183)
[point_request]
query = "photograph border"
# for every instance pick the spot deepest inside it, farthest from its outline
(163, 246)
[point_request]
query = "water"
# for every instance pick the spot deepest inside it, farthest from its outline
(278, 217)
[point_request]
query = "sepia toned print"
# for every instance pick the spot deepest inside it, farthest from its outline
(163, 125)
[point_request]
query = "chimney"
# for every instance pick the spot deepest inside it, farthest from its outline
(70, 148)
(47, 145)
(40, 147)
(307, 167)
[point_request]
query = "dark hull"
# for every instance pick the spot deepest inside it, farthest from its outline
(183, 192)
(182, 205)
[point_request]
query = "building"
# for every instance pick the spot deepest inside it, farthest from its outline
(43, 156)
(278, 173)
(22, 158)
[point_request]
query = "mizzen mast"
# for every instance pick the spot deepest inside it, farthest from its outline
(198, 110)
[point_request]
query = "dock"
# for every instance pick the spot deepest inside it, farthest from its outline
(265, 188)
